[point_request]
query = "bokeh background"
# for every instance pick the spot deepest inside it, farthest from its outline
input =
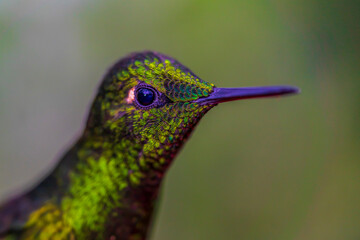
(284, 168)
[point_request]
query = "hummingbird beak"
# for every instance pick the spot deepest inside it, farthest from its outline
(220, 95)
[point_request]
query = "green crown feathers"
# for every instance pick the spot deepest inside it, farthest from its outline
(176, 84)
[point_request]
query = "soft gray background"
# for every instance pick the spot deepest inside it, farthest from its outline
(285, 168)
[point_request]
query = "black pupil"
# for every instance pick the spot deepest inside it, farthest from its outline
(145, 96)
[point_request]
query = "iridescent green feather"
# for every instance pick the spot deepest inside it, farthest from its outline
(123, 152)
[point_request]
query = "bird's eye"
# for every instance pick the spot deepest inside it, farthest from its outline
(145, 96)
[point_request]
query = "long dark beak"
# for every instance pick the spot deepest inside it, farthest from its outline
(220, 95)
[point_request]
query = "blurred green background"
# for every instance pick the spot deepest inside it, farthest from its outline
(284, 168)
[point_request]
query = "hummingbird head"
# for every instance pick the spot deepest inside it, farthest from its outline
(154, 101)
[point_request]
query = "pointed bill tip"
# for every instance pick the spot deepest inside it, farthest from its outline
(220, 95)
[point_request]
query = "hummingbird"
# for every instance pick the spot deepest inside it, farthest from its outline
(107, 184)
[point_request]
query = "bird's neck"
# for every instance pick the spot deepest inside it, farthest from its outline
(109, 187)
